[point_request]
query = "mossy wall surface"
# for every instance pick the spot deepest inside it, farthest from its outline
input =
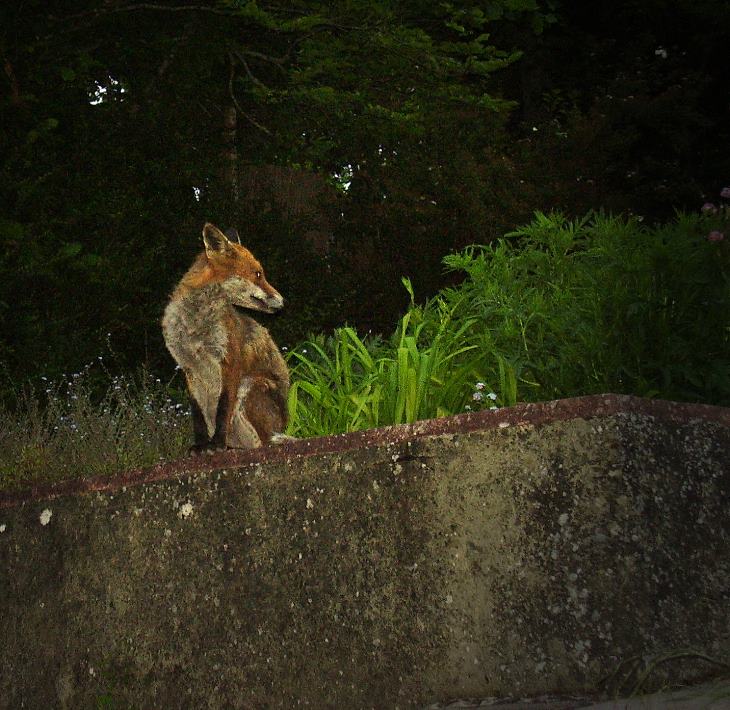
(520, 551)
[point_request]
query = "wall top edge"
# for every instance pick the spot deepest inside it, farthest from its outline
(528, 414)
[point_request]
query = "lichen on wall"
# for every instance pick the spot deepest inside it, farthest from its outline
(388, 569)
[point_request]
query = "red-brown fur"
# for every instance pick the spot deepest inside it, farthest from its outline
(236, 375)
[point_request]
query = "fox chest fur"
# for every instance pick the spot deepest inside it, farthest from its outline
(237, 379)
(194, 329)
(221, 350)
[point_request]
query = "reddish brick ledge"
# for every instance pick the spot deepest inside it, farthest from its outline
(522, 414)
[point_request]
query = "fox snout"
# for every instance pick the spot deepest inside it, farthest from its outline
(266, 295)
(273, 301)
(258, 297)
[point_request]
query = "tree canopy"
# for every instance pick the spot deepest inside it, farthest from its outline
(350, 142)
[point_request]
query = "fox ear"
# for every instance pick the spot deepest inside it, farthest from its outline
(232, 234)
(216, 243)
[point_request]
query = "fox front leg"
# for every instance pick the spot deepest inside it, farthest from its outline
(204, 386)
(200, 429)
(233, 430)
(223, 415)
(201, 441)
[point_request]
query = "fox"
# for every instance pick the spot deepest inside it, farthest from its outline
(237, 378)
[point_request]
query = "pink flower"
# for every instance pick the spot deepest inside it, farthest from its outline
(709, 207)
(725, 192)
(715, 236)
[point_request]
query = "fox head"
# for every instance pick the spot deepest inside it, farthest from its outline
(238, 272)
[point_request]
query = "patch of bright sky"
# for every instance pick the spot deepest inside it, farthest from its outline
(101, 92)
(343, 177)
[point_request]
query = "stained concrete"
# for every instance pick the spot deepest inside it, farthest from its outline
(714, 695)
(516, 552)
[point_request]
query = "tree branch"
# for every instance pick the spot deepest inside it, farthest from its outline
(250, 75)
(147, 6)
(232, 94)
(266, 57)
(167, 61)
(15, 98)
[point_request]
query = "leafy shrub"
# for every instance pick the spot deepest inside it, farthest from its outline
(557, 308)
(603, 304)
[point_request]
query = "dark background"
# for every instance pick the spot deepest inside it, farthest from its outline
(351, 143)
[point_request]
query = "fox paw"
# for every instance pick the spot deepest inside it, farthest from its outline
(278, 438)
(207, 449)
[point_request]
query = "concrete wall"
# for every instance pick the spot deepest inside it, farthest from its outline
(518, 551)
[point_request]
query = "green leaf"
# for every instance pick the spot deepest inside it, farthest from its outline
(67, 74)
(409, 287)
(69, 250)
(11, 230)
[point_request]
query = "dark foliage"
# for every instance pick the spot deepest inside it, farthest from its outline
(351, 143)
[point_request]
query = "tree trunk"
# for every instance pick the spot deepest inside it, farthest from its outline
(230, 151)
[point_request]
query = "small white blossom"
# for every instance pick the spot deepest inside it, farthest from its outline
(661, 52)
(479, 386)
(492, 396)
(477, 396)
(46, 516)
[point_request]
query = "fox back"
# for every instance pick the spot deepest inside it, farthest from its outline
(236, 376)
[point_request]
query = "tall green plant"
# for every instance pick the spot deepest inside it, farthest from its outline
(345, 383)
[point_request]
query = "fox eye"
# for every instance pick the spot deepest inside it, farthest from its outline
(258, 274)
